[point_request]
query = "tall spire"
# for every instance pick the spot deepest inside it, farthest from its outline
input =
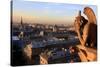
(21, 22)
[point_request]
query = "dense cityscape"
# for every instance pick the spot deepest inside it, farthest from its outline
(43, 44)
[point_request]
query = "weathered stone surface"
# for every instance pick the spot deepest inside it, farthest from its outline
(89, 55)
(28, 53)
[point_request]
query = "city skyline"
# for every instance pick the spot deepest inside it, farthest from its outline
(45, 12)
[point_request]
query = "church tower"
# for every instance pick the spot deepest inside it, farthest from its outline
(22, 26)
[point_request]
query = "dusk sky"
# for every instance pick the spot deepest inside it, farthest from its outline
(46, 12)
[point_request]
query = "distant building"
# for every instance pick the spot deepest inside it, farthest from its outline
(21, 24)
(61, 28)
(41, 33)
(21, 35)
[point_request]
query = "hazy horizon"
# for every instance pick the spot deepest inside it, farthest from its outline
(46, 13)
